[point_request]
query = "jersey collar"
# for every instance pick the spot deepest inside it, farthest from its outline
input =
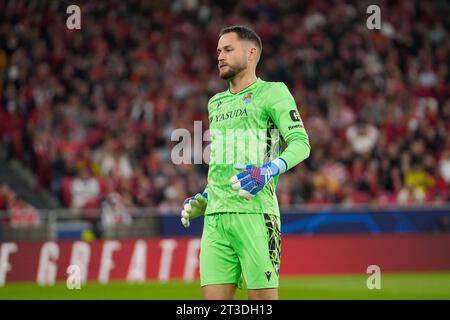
(246, 88)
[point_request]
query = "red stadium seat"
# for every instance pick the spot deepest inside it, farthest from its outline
(360, 197)
(386, 198)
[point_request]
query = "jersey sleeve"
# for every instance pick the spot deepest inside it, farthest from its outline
(282, 109)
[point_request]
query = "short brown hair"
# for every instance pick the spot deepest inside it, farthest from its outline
(244, 33)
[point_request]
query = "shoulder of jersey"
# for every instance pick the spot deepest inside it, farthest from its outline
(275, 85)
(216, 97)
(269, 89)
(265, 86)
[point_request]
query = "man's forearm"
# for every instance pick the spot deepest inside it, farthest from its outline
(298, 149)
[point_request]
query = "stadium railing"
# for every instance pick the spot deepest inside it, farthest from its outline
(59, 224)
(93, 224)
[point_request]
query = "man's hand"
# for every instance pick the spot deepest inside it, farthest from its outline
(253, 178)
(193, 207)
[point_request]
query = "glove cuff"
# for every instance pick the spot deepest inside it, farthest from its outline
(205, 193)
(277, 166)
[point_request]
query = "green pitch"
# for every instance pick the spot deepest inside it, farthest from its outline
(393, 286)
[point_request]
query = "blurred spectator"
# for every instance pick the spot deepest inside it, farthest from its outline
(144, 191)
(23, 215)
(419, 178)
(444, 166)
(85, 188)
(410, 195)
(114, 211)
(362, 137)
(3, 196)
(115, 162)
(20, 214)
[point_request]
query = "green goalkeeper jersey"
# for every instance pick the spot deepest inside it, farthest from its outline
(248, 128)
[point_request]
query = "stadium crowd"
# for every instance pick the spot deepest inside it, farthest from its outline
(91, 111)
(20, 213)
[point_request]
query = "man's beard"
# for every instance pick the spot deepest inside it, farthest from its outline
(231, 72)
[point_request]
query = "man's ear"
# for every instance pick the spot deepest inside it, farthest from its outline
(253, 54)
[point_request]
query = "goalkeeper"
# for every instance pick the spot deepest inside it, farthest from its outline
(241, 236)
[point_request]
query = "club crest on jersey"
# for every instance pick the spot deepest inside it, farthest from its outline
(248, 97)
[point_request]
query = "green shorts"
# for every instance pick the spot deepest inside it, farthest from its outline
(240, 243)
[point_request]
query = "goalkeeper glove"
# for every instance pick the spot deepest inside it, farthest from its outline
(253, 178)
(194, 207)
